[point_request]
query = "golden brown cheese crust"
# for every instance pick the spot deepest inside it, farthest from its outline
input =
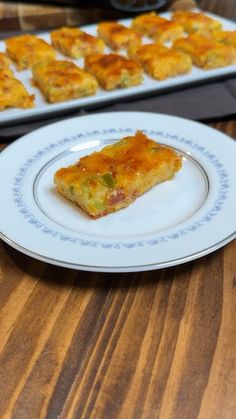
(148, 23)
(114, 70)
(205, 52)
(225, 37)
(167, 31)
(161, 62)
(157, 28)
(114, 177)
(63, 80)
(12, 92)
(118, 36)
(194, 22)
(27, 50)
(76, 43)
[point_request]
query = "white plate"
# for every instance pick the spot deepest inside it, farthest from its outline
(149, 85)
(175, 222)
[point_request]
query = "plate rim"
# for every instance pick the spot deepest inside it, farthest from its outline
(121, 269)
(93, 267)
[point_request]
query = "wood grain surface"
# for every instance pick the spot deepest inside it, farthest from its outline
(146, 345)
(151, 345)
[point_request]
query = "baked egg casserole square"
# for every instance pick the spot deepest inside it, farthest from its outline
(27, 50)
(194, 22)
(206, 53)
(63, 80)
(12, 92)
(106, 181)
(167, 32)
(161, 62)
(75, 43)
(5, 62)
(118, 36)
(113, 71)
(146, 24)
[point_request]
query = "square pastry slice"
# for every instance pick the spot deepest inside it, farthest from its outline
(75, 43)
(63, 80)
(113, 70)
(161, 62)
(205, 52)
(118, 36)
(114, 177)
(147, 24)
(225, 37)
(12, 92)
(157, 28)
(26, 50)
(194, 22)
(167, 31)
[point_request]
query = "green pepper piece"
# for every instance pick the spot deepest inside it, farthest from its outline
(72, 190)
(125, 80)
(108, 180)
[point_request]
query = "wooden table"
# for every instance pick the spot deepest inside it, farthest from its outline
(158, 344)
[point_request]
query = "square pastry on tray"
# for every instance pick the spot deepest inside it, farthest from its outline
(111, 179)
(225, 37)
(161, 62)
(113, 70)
(5, 62)
(194, 22)
(157, 28)
(167, 31)
(26, 50)
(12, 92)
(118, 36)
(75, 43)
(205, 52)
(63, 80)
(147, 24)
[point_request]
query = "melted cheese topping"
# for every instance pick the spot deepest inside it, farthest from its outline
(147, 23)
(167, 31)
(111, 64)
(225, 37)
(13, 93)
(27, 50)
(118, 36)
(76, 43)
(205, 52)
(162, 62)
(196, 22)
(63, 80)
(114, 70)
(125, 160)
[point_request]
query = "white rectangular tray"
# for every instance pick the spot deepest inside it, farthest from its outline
(149, 86)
